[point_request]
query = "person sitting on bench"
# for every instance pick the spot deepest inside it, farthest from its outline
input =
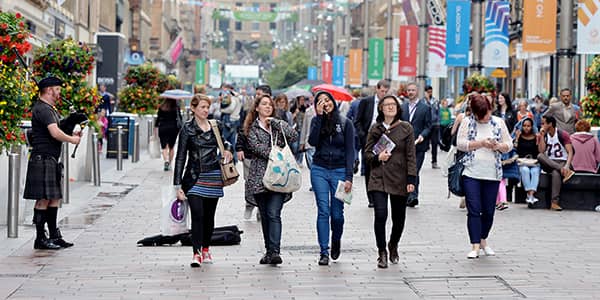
(587, 147)
(556, 155)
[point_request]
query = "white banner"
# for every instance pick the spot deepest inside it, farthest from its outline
(436, 67)
(588, 27)
(495, 49)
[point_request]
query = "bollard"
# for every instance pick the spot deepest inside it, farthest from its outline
(65, 162)
(135, 157)
(119, 148)
(14, 166)
(150, 128)
(95, 160)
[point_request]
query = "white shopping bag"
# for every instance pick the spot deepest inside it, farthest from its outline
(174, 213)
(154, 147)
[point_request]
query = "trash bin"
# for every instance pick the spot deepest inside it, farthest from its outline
(111, 136)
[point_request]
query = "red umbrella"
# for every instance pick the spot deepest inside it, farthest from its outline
(337, 92)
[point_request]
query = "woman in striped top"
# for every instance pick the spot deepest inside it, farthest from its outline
(201, 182)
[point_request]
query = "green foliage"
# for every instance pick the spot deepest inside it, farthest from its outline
(591, 103)
(264, 51)
(290, 67)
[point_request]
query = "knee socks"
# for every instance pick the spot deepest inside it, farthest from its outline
(39, 218)
(51, 215)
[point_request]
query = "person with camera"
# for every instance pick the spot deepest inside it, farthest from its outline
(44, 173)
(201, 184)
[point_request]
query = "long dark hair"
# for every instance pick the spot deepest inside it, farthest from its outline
(380, 117)
(252, 114)
(509, 107)
(168, 104)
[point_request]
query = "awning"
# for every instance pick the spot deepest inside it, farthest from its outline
(498, 73)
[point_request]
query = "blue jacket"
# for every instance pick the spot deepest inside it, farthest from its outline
(335, 151)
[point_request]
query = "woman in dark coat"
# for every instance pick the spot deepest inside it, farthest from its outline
(168, 122)
(393, 174)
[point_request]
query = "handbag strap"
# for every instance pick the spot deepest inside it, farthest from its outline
(217, 134)
(282, 133)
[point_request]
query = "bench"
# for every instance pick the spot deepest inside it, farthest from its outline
(581, 192)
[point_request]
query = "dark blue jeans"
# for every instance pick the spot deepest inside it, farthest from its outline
(480, 198)
(324, 183)
(270, 205)
(420, 159)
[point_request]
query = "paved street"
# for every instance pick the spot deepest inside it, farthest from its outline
(540, 254)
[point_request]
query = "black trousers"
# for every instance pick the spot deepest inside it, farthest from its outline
(203, 220)
(398, 204)
(435, 138)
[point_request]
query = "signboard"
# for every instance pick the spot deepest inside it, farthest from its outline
(458, 35)
(539, 26)
(200, 71)
(338, 70)
(354, 67)
(408, 50)
(495, 46)
(376, 59)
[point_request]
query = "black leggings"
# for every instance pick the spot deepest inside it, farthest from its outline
(398, 204)
(203, 220)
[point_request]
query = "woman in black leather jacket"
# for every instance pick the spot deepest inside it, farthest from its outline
(201, 183)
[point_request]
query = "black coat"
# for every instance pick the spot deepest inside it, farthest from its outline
(201, 151)
(364, 118)
(421, 123)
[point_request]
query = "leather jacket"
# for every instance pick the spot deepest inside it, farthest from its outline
(201, 151)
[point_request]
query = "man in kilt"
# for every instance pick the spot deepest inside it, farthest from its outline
(44, 172)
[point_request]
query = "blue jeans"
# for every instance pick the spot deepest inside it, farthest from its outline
(229, 134)
(480, 196)
(270, 205)
(324, 183)
(530, 177)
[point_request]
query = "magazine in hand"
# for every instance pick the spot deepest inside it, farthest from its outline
(384, 143)
(341, 194)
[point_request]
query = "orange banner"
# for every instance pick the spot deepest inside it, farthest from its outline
(539, 26)
(354, 67)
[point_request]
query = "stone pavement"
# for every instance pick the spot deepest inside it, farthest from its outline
(540, 254)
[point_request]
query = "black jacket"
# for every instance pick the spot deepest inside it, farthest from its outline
(421, 122)
(201, 151)
(364, 118)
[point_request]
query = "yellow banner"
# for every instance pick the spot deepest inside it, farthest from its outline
(539, 26)
(354, 67)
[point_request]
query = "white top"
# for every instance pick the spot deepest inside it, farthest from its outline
(554, 149)
(483, 165)
(375, 111)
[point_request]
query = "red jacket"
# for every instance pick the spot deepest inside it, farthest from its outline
(587, 148)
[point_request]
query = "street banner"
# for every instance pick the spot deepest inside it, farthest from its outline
(215, 79)
(312, 73)
(539, 26)
(255, 16)
(436, 67)
(407, 60)
(338, 70)
(588, 27)
(409, 13)
(495, 45)
(326, 67)
(458, 35)
(354, 66)
(376, 59)
(200, 71)
(175, 49)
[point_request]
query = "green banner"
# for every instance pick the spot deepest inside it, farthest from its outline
(200, 71)
(255, 16)
(376, 59)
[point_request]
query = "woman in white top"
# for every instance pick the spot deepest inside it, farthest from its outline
(483, 137)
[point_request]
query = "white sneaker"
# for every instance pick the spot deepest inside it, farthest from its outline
(488, 251)
(534, 200)
(207, 257)
(473, 254)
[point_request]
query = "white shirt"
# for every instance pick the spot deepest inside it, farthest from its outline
(412, 107)
(375, 111)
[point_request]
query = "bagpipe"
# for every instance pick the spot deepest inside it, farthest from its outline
(74, 119)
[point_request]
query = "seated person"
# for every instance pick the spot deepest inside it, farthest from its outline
(587, 147)
(526, 145)
(556, 155)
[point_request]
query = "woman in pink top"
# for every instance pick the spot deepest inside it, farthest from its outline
(587, 148)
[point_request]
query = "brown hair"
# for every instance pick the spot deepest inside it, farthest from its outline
(197, 98)
(480, 106)
(252, 114)
(380, 117)
(168, 104)
(284, 98)
(582, 126)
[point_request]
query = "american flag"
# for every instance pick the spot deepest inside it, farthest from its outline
(437, 41)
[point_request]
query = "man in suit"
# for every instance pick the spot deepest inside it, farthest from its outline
(564, 112)
(418, 114)
(435, 124)
(365, 118)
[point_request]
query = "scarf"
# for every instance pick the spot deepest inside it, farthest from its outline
(497, 136)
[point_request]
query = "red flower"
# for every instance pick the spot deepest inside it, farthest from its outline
(4, 26)
(18, 15)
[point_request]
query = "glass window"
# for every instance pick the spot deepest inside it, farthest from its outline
(255, 26)
(272, 25)
(238, 26)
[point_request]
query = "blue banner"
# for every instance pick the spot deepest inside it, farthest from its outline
(458, 36)
(312, 73)
(338, 70)
(495, 49)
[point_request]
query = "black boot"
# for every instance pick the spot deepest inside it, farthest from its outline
(41, 241)
(335, 249)
(45, 244)
(56, 238)
(382, 261)
(393, 248)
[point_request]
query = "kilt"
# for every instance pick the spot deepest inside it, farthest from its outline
(44, 178)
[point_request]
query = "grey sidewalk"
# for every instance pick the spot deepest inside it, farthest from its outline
(540, 254)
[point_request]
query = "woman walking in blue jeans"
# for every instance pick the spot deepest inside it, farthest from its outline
(258, 127)
(482, 137)
(333, 137)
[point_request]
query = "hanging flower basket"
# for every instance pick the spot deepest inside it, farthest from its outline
(476, 83)
(590, 104)
(145, 75)
(138, 100)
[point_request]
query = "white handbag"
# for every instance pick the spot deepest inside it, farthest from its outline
(282, 174)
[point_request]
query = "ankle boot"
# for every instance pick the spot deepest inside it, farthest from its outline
(56, 238)
(393, 248)
(44, 244)
(382, 261)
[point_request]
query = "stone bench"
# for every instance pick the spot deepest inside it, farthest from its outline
(581, 192)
